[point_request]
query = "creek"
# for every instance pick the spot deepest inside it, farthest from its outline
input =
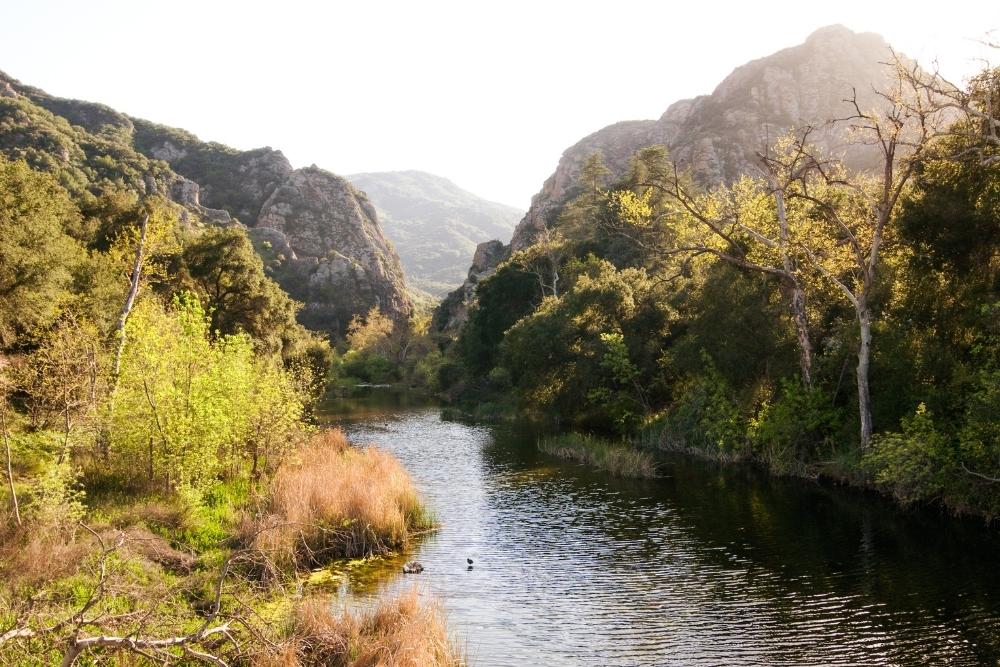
(708, 565)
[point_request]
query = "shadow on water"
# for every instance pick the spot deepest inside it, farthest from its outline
(711, 564)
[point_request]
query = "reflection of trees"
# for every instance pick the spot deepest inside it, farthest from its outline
(795, 540)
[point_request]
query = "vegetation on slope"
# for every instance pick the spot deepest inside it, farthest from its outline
(818, 320)
(155, 392)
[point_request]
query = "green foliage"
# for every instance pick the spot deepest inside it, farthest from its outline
(501, 300)
(37, 256)
(186, 405)
(228, 276)
(582, 355)
(706, 416)
(55, 499)
(788, 432)
(914, 463)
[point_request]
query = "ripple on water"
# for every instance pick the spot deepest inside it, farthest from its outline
(709, 566)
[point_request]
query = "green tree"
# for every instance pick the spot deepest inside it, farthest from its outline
(37, 256)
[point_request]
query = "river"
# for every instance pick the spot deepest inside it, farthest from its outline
(709, 565)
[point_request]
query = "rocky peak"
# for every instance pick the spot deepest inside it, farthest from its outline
(341, 263)
(718, 136)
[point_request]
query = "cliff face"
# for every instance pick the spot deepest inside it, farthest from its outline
(340, 263)
(324, 244)
(435, 224)
(718, 136)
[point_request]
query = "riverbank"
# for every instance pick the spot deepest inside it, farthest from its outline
(572, 565)
(228, 578)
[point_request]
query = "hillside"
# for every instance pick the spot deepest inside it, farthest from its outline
(434, 224)
(718, 135)
(320, 238)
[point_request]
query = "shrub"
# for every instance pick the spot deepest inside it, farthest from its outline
(337, 501)
(705, 415)
(787, 431)
(401, 631)
(915, 463)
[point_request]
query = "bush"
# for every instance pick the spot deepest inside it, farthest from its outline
(401, 631)
(337, 502)
(786, 432)
(914, 464)
(705, 415)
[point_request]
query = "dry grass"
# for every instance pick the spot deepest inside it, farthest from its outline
(31, 555)
(618, 459)
(337, 502)
(398, 632)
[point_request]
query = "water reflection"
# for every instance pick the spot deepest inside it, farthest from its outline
(710, 565)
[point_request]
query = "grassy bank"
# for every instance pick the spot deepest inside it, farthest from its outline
(145, 576)
(618, 459)
(403, 631)
(336, 501)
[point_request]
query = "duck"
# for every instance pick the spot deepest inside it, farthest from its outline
(413, 567)
(469, 561)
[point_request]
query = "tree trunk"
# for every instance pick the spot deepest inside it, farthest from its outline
(798, 296)
(802, 334)
(864, 361)
(10, 470)
(133, 291)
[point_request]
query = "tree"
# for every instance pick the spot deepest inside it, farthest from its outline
(62, 378)
(5, 388)
(228, 276)
(544, 259)
(746, 225)
(857, 210)
(37, 257)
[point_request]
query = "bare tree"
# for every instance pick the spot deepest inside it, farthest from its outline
(858, 209)
(5, 433)
(975, 105)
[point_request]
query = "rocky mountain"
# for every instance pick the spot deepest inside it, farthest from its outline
(319, 236)
(718, 136)
(434, 224)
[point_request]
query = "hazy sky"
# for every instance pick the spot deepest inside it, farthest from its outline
(487, 94)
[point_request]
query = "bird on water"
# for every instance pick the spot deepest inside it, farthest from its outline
(469, 561)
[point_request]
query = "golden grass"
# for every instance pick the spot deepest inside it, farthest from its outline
(398, 632)
(31, 555)
(338, 501)
(618, 459)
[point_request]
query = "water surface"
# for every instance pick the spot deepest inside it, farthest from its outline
(711, 565)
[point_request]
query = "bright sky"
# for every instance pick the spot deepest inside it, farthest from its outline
(486, 94)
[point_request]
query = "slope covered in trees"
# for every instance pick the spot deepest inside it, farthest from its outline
(812, 314)
(320, 237)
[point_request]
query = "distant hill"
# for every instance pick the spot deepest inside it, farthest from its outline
(434, 224)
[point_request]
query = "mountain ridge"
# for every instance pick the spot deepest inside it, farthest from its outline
(717, 135)
(319, 236)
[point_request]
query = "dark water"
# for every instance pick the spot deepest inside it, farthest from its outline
(712, 565)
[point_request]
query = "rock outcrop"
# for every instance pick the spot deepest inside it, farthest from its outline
(320, 237)
(340, 263)
(718, 136)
